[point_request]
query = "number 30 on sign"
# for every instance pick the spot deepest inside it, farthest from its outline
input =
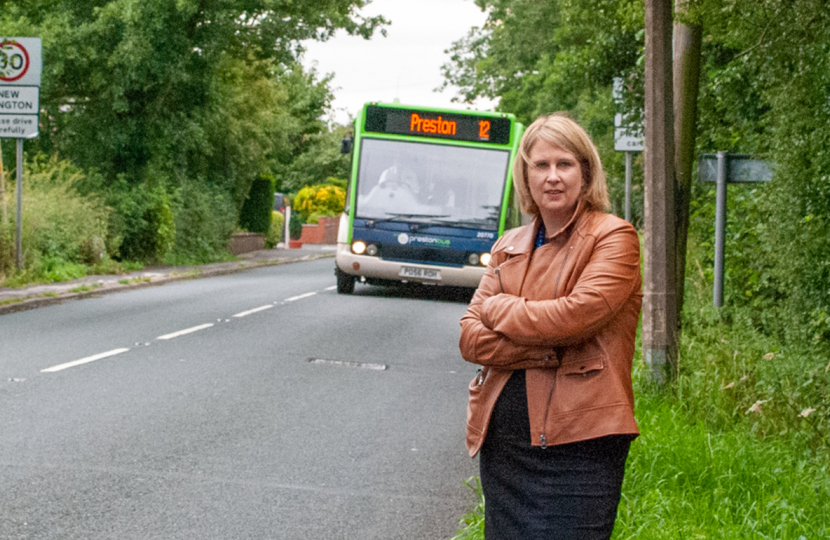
(14, 61)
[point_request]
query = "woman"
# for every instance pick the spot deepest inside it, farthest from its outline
(553, 324)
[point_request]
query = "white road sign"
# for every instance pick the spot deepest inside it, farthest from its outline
(627, 141)
(20, 61)
(19, 99)
(18, 126)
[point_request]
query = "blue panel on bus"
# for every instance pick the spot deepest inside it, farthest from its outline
(424, 243)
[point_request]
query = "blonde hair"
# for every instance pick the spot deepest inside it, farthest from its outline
(559, 130)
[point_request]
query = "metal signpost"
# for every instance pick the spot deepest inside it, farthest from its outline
(723, 168)
(20, 68)
(628, 138)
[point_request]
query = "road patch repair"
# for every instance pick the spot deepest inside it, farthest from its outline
(13, 300)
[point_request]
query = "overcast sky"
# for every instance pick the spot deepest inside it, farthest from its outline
(405, 65)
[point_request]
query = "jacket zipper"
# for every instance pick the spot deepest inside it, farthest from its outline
(542, 438)
(498, 273)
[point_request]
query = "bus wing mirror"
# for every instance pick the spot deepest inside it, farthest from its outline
(346, 145)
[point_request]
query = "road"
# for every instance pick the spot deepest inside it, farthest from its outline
(192, 411)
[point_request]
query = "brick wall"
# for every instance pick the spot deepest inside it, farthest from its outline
(325, 232)
(245, 242)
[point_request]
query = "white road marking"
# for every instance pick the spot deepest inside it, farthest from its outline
(185, 331)
(84, 360)
(306, 295)
(330, 288)
(260, 308)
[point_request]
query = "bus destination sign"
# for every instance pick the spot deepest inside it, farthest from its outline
(460, 127)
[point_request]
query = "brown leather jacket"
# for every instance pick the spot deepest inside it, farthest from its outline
(567, 313)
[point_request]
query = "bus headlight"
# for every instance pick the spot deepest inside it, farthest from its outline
(358, 247)
(473, 259)
(485, 259)
(372, 250)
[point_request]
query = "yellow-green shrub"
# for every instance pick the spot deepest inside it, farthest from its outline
(319, 200)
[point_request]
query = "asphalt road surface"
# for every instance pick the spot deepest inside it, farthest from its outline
(193, 411)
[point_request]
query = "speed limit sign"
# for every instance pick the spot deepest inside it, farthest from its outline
(20, 61)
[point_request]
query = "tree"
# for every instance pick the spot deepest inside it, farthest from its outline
(196, 97)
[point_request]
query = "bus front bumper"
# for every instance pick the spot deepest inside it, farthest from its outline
(407, 272)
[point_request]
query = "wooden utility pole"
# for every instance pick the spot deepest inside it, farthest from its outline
(687, 46)
(659, 300)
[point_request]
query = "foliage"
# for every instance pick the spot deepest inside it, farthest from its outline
(319, 200)
(255, 215)
(684, 480)
(320, 162)
(144, 225)
(276, 230)
(205, 219)
(295, 226)
(167, 98)
(64, 233)
(471, 525)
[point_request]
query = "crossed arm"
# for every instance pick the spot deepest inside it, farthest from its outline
(511, 332)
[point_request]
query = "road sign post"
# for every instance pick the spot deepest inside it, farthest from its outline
(628, 138)
(723, 169)
(20, 69)
(18, 251)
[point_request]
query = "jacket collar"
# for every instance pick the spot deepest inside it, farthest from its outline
(524, 241)
(526, 237)
(576, 217)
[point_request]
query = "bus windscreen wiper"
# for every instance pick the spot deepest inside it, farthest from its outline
(402, 217)
(419, 216)
(474, 223)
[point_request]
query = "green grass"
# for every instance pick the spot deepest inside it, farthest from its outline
(55, 270)
(686, 481)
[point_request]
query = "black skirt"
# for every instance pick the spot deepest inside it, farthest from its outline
(562, 492)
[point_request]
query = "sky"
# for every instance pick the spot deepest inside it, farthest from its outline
(405, 65)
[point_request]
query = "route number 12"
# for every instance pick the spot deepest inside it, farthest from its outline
(484, 129)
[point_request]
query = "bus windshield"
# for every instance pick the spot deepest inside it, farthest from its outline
(448, 185)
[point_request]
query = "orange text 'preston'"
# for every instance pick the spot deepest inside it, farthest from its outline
(432, 125)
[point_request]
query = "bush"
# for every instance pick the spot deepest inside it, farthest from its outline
(205, 219)
(295, 226)
(255, 215)
(319, 200)
(63, 231)
(276, 231)
(145, 228)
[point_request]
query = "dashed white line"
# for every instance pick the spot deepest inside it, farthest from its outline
(185, 331)
(306, 295)
(86, 360)
(260, 308)
(330, 288)
(114, 352)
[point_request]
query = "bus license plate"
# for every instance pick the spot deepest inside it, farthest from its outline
(423, 273)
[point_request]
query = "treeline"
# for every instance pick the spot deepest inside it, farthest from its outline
(164, 114)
